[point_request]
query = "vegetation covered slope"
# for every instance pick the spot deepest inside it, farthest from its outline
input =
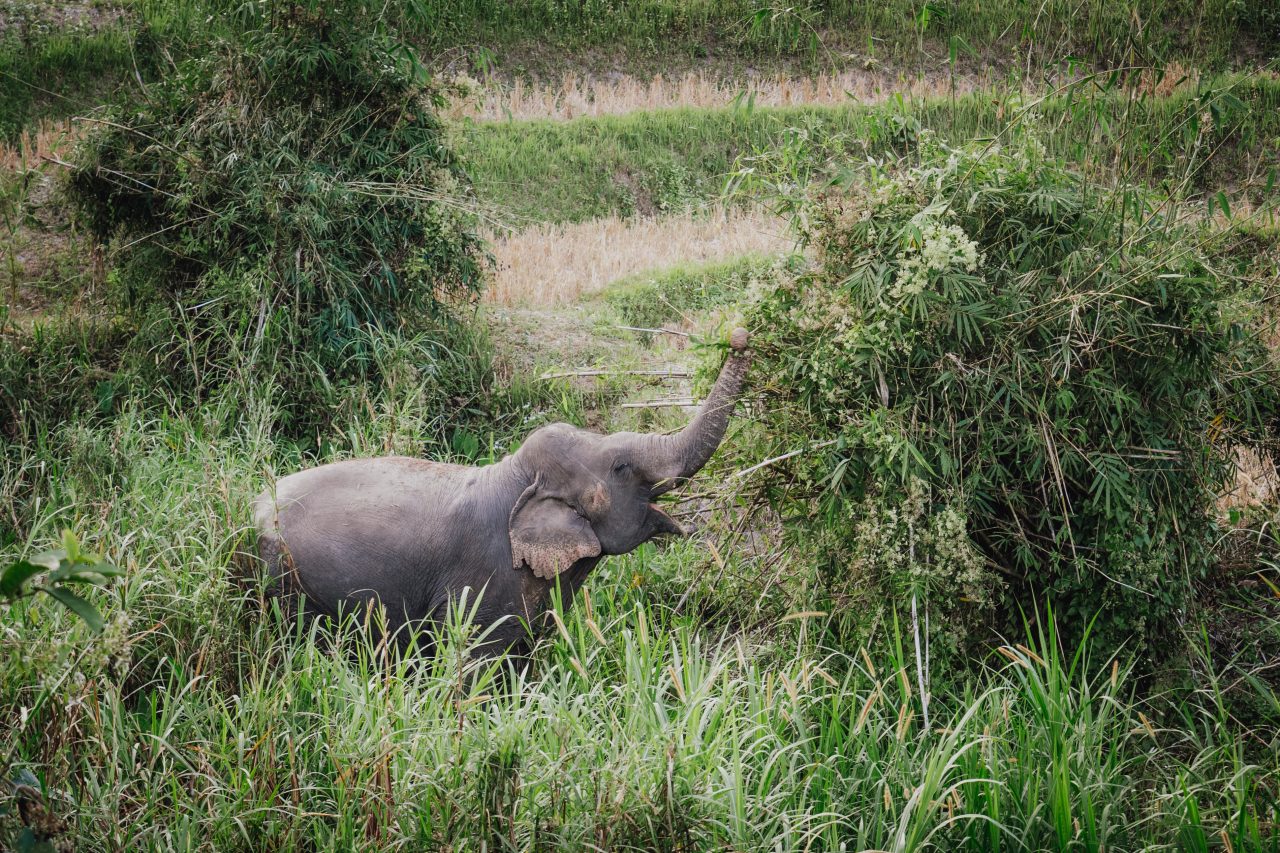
(1203, 136)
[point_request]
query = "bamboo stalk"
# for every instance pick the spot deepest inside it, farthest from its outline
(653, 331)
(745, 471)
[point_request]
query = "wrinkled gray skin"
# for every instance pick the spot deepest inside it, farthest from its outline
(412, 534)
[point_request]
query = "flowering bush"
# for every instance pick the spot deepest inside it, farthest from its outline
(1014, 387)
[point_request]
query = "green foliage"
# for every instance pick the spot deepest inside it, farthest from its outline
(62, 370)
(442, 390)
(61, 568)
(653, 301)
(192, 720)
(40, 62)
(284, 193)
(820, 31)
(55, 65)
(58, 60)
(1064, 366)
(633, 729)
(54, 573)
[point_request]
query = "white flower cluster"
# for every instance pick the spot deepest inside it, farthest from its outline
(942, 248)
(819, 310)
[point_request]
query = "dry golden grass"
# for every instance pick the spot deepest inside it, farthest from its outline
(47, 139)
(1256, 484)
(576, 96)
(1165, 82)
(555, 264)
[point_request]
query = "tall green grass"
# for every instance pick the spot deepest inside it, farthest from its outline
(52, 71)
(198, 721)
(59, 75)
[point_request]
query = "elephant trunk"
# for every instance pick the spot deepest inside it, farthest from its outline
(680, 456)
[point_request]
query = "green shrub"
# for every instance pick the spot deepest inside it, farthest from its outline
(1012, 386)
(286, 192)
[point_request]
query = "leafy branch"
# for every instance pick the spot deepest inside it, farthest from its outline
(66, 567)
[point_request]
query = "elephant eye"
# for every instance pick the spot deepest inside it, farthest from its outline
(620, 467)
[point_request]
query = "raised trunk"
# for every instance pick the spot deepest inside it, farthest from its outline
(672, 458)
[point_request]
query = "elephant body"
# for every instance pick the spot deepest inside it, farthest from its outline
(355, 533)
(411, 535)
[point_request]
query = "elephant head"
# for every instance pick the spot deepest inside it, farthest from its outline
(590, 495)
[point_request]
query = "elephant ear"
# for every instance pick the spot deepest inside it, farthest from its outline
(548, 534)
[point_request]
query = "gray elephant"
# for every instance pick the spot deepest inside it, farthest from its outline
(412, 534)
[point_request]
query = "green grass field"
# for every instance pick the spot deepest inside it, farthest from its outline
(1211, 135)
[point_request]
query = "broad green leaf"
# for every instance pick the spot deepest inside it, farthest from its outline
(50, 559)
(24, 776)
(70, 544)
(78, 606)
(17, 575)
(84, 573)
(1222, 203)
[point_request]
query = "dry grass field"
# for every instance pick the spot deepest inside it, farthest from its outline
(575, 95)
(557, 264)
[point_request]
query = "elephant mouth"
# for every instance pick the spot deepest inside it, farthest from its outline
(664, 522)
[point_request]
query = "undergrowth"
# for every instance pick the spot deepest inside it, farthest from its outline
(197, 722)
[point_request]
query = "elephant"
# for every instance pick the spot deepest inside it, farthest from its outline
(411, 535)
